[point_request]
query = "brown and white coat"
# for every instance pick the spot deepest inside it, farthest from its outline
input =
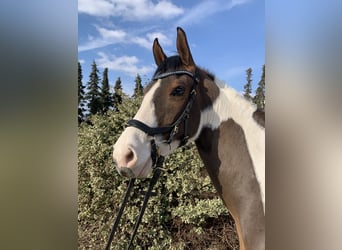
(229, 133)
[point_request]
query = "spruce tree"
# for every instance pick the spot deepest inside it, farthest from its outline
(106, 99)
(248, 86)
(138, 89)
(259, 98)
(117, 94)
(80, 95)
(93, 95)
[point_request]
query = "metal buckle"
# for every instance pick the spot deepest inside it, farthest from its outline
(172, 134)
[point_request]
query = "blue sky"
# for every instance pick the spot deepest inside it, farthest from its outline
(225, 36)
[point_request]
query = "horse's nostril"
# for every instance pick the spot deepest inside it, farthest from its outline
(125, 157)
(129, 156)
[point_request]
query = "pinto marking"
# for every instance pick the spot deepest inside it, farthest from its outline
(146, 112)
(229, 104)
(228, 131)
(136, 142)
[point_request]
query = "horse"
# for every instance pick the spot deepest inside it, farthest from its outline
(184, 103)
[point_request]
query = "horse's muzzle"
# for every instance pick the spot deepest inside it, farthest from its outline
(127, 172)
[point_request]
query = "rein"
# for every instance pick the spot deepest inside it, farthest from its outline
(157, 159)
(157, 171)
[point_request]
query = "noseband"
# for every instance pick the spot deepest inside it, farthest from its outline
(184, 116)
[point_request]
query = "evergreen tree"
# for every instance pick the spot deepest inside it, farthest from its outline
(259, 98)
(106, 99)
(138, 89)
(93, 95)
(80, 95)
(117, 93)
(248, 85)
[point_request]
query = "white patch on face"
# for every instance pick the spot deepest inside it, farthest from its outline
(137, 140)
(147, 115)
(229, 104)
(146, 112)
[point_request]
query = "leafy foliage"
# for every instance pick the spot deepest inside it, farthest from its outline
(185, 214)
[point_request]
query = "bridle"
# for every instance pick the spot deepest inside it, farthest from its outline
(157, 159)
(183, 117)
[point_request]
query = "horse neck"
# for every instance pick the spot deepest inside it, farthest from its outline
(231, 145)
(227, 104)
(230, 113)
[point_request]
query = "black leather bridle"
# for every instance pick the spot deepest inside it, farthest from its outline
(183, 117)
(157, 159)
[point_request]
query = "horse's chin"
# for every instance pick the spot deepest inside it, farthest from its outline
(167, 149)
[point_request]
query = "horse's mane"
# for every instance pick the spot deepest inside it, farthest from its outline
(173, 63)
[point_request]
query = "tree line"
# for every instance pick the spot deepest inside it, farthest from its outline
(94, 98)
(186, 213)
(259, 96)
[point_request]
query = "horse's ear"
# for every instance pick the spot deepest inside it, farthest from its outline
(158, 53)
(183, 49)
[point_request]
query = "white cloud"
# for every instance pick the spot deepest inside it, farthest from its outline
(142, 41)
(163, 39)
(207, 8)
(81, 61)
(96, 8)
(126, 64)
(93, 44)
(133, 10)
(112, 36)
(147, 41)
(136, 10)
(106, 37)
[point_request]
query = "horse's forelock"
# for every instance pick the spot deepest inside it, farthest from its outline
(169, 64)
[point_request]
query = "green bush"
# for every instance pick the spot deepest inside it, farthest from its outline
(186, 213)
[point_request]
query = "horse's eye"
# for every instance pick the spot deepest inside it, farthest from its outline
(178, 91)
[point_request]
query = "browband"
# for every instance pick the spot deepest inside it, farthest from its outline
(178, 72)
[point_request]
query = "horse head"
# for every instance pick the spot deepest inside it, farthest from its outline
(169, 114)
